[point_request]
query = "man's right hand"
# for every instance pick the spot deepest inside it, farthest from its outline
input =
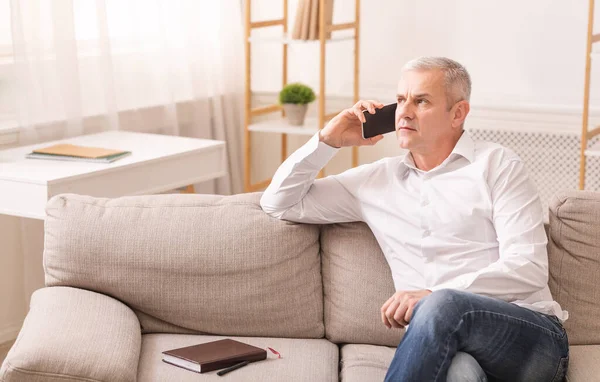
(345, 129)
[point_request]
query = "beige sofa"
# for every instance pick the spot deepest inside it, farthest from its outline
(128, 278)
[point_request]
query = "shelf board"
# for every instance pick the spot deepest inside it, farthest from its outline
(593, 151)
(281, 126)
(288, 40)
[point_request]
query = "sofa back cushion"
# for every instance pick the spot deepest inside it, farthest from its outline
(190, 263)
(574, 255)
(356, 283)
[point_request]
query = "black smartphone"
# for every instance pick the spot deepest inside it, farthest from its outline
(382, 122)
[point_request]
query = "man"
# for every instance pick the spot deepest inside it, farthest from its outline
(460, 224)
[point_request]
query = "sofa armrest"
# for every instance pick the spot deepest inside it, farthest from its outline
(74, 334)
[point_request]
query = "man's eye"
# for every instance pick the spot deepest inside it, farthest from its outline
(400, 100)
(422, 101)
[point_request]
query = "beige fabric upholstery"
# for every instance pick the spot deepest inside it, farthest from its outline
(574, 255)
(584, 363)
(356, 283)
(73, 334)
(218, 264)
(302, 360)
(212, 264)
(364, 363)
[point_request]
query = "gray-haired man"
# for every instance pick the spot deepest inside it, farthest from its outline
(460, 224)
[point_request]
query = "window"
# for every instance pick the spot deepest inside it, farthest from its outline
(7, 104)
(146, 49)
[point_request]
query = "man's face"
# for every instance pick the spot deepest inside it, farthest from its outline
(423, 120)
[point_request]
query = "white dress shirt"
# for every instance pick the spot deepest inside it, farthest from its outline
(474, 223)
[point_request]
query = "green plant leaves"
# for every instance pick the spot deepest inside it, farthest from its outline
(296, 93)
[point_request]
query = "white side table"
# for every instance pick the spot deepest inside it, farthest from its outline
(158, 163)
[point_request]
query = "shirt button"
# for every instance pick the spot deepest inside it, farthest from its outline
(426, 233)
(424, 202)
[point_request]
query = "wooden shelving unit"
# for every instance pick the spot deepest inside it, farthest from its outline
(587, 134)
(280, 126)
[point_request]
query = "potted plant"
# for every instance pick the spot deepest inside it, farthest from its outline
(295, 98)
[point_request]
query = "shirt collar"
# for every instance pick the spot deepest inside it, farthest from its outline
(465, 147)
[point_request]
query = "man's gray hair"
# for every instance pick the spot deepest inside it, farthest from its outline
(457, 79)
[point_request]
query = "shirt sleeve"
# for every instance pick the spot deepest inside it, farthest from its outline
(295, 195)
(522, 267)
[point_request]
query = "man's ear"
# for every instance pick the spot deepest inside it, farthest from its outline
(459, 113)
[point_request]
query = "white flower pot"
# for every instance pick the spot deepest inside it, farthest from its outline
(295, 113)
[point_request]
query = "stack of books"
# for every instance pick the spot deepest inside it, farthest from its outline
(306, 23)
(70, 152)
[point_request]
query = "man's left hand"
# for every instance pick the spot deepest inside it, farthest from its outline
(398, 310)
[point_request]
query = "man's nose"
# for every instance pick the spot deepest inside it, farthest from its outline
(405, 110)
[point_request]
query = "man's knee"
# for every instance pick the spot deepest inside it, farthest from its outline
(464, 368)
(444, 303)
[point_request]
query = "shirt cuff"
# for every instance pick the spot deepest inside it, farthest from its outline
(319, 153)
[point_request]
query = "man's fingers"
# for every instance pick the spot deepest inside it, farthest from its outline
(354, 112)
(400, 313)
(390, 312)
(387, 303)
(376, 104)
(385, 320)
(398, 310)
(369, 105)
(384, 309)
(359, 114)
(365, 105)
(409, 312)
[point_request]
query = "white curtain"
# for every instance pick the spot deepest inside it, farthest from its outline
(160, 66)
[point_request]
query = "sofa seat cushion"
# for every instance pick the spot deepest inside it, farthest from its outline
(370, 363)
(302, 359)
(365, 362)
(584, 363)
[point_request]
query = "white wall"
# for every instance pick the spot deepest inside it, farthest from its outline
(518, 52)
(524, 57)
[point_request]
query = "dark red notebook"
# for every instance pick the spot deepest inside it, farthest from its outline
(213, 355)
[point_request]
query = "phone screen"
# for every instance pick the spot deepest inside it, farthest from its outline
(382, 122)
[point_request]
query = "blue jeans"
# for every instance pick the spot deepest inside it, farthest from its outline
(502, 341)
